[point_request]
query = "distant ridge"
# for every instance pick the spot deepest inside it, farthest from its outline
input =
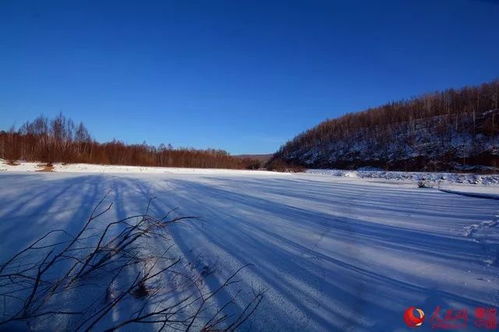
(259, 157)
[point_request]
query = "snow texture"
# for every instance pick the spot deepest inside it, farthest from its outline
(334, 253)
(433, 177)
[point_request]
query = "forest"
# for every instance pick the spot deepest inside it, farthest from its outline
(452, 130)
(61, 140)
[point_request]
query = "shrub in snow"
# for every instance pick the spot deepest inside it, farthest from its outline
(111, 278)
(425, 184)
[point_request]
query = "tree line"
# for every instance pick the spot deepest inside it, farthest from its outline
(436, 119)
(61, 140)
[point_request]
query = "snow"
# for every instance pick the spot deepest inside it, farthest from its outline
(19, 167)
(489, 191)
(434, 177)
(93, 168)
(332, 252)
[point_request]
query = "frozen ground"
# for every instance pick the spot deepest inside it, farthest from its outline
(435, 178)
(333, 253)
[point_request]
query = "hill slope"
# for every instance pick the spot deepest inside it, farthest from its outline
(454, 130)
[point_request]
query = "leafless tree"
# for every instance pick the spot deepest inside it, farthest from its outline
(59, 140)
(438, 117)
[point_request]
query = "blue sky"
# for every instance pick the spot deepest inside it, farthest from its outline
(244, 76)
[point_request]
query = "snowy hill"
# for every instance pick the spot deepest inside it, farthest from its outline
(453, 130)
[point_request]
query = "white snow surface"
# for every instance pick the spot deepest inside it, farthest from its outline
(435, 177)
(333, 253)
(94, 168)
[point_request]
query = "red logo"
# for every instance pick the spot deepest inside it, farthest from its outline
(485, 318)
(449, 319)
(453, 319)
(413, 317)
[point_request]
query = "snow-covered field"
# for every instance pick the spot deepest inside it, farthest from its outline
(332, 253)
(435, 178)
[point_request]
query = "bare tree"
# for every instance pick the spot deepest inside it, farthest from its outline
(468, 113)
(59, 140)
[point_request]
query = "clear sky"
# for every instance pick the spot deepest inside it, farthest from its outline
(244, 76)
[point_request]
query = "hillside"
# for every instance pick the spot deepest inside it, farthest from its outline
(254, 161)
(453, 130)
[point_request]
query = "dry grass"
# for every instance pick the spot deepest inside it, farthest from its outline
(45, 168)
